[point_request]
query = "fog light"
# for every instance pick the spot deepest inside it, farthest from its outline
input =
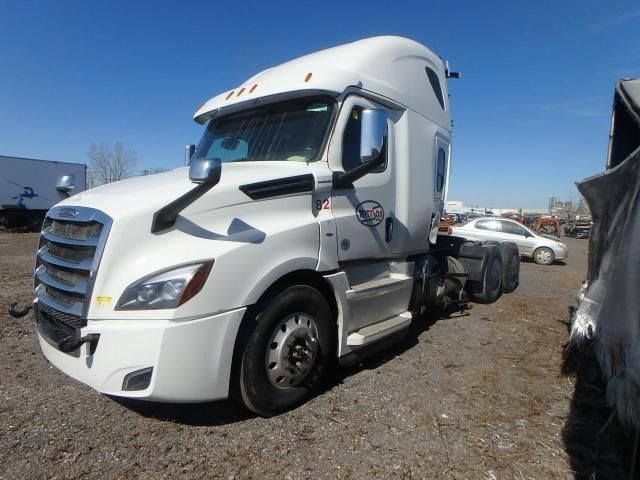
(138, 380)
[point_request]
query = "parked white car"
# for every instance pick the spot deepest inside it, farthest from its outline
(543, 249)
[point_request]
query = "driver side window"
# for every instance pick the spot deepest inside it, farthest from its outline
(351, 143)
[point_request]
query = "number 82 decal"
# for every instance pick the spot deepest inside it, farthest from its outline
(323, 204)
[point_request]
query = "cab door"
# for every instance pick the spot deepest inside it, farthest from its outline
(364, 214)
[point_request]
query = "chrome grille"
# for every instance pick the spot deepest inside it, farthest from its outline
(66, 264)
(64, 296)
(70, 252)
(65, 275)
(75, 231)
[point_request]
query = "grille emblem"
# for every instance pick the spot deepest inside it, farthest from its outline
(68, 212)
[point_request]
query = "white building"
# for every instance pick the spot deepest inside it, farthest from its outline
(454, 206)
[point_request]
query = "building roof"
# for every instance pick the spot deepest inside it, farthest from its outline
(393, 67)
(8, 157)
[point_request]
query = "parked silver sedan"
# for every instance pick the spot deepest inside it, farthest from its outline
(543, 249)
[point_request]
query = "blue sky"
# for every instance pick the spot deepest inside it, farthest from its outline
(531, 112)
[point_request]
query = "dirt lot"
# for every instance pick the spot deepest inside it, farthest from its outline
(475, 396)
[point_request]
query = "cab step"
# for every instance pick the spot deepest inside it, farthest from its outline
(377, 331)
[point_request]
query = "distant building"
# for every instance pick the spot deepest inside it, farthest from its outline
(535, 211)
(583, 208)
(475, 209)
(454, 206)
(500, 211)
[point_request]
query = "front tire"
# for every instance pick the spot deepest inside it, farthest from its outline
(543, 256)
(288, 353)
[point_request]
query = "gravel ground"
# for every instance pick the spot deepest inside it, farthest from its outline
(466, 396)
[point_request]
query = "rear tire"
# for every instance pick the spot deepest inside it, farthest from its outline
(288, 353)
(543, 256)
(488, 290)
(510, 266)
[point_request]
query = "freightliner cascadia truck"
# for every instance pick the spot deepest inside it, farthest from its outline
(303, 233)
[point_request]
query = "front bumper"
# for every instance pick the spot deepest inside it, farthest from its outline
(561, 253)
(191, 359)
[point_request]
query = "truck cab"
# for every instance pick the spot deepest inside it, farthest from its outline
(303, 231)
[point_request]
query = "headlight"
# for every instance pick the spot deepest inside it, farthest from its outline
(168, 289)
(562, 245)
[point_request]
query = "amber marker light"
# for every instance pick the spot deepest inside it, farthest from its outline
(196, 283)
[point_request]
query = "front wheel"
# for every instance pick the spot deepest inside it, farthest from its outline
(289, 352)
(543, 256)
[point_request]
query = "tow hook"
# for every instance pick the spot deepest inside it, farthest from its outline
(71, 344)
(19, 313)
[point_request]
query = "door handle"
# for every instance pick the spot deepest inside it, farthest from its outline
(388, 230)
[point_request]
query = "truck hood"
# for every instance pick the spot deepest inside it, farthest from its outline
(147, 194)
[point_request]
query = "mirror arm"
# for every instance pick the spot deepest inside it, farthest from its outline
(165, 218)
(206, 174)
(346, 179)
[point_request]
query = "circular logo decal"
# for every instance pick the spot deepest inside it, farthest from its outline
(370, 213)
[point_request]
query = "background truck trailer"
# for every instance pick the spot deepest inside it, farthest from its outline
(608, 315)
(28, 189)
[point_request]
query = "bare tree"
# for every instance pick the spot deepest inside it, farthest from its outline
(107, 164)
(91, 178)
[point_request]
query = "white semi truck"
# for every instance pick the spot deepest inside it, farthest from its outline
(303, 231)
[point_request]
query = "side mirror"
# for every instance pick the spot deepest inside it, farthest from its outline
(373, 134)
(188, 153)
(205, 171)
(65, 184)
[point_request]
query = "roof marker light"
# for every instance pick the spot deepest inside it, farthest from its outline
(240, 92)
(229, 96)
(253, 88)
(308, 77)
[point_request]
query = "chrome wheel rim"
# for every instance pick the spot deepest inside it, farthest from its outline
(292, 350)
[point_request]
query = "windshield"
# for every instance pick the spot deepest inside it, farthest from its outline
(293, 130)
